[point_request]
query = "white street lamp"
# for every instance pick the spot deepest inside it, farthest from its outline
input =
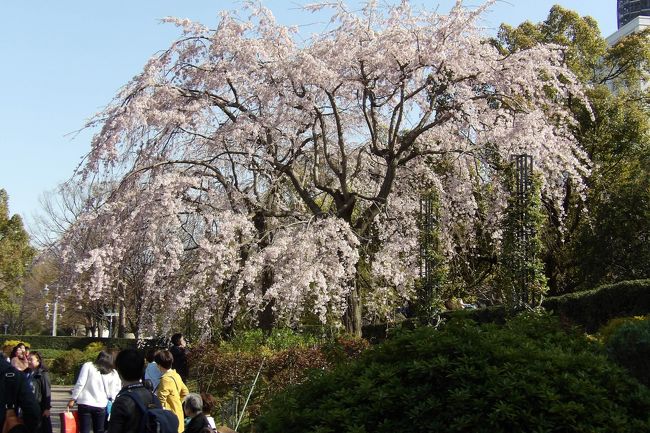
(56, 309)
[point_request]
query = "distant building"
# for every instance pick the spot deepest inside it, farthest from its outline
(627, 10)
(633, 16)
(636, 24)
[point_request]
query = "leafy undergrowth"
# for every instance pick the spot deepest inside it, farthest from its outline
(531, 375)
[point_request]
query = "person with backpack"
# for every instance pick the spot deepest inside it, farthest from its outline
(16, 393)
(172, 389)
(136, 409)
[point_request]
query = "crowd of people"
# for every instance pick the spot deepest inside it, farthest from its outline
(112, 393)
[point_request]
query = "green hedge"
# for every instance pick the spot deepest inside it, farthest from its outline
(69, 343)
(530, 375)
(590, 309)
(594, 308)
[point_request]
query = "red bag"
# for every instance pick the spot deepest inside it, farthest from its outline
(69, 421)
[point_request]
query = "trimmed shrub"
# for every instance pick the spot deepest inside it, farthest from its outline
(606, 331)
(528, 375)
(67, 343)
(629, 346)
(65, 367)
(593, 308)
(590, 309)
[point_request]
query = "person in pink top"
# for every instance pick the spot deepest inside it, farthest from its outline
(20, 357)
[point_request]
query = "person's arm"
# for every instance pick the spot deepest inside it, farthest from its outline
(116, 384)
(46, 403)
(183, 391)
(164, 390)
(79, 385)
(184, 366)
(28, 404)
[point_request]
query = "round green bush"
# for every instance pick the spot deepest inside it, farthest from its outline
(529, 375)
(629, 346)
(65, 367)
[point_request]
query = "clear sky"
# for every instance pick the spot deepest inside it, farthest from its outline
(64, 60)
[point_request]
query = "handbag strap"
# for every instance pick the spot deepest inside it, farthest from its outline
(178, 390)
(104, 385)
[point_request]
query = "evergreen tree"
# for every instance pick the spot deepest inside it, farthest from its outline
(15, 256)
(608, 243)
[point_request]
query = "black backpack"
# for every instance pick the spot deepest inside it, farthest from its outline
(11, 383)
(155, 419)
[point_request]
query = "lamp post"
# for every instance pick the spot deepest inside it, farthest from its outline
(110, 315)
(56, 310)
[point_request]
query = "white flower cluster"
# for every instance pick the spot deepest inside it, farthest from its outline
(257, 167)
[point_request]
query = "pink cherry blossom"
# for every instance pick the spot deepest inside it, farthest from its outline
(256, 168)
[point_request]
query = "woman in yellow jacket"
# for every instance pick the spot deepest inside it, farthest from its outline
(171, 389)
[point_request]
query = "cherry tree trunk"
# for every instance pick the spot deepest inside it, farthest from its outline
(121, 329)
(352, 316)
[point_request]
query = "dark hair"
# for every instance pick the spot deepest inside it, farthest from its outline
(209, 403)
(15, 349)
(104, 362)
(164, 358)
(130, 364)
(151, 354)
(176, 339)
(40, 360)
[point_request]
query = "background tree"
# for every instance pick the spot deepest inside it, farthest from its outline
(59, 211)
(609, 243)
(261, 172)
(15, 258)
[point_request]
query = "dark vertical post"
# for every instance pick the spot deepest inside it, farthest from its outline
(524, 235)
(428, 221)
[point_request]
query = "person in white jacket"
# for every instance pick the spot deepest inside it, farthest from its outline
(98, 383)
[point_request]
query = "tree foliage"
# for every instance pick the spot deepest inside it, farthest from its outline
(530, 375)
(257, 171)
(15, 257)
(609, 243)
(521, 278)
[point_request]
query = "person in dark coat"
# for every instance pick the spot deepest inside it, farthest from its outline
(179, 352)
(193, 408)
(42, 389)
(125, 415)
(14, 382)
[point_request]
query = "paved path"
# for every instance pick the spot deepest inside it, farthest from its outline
(60, 399)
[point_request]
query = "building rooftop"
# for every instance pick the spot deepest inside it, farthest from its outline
(635, 25)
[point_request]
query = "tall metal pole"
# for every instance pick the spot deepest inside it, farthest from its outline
(56, 312)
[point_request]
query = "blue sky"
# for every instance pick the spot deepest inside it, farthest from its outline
(65, 60)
